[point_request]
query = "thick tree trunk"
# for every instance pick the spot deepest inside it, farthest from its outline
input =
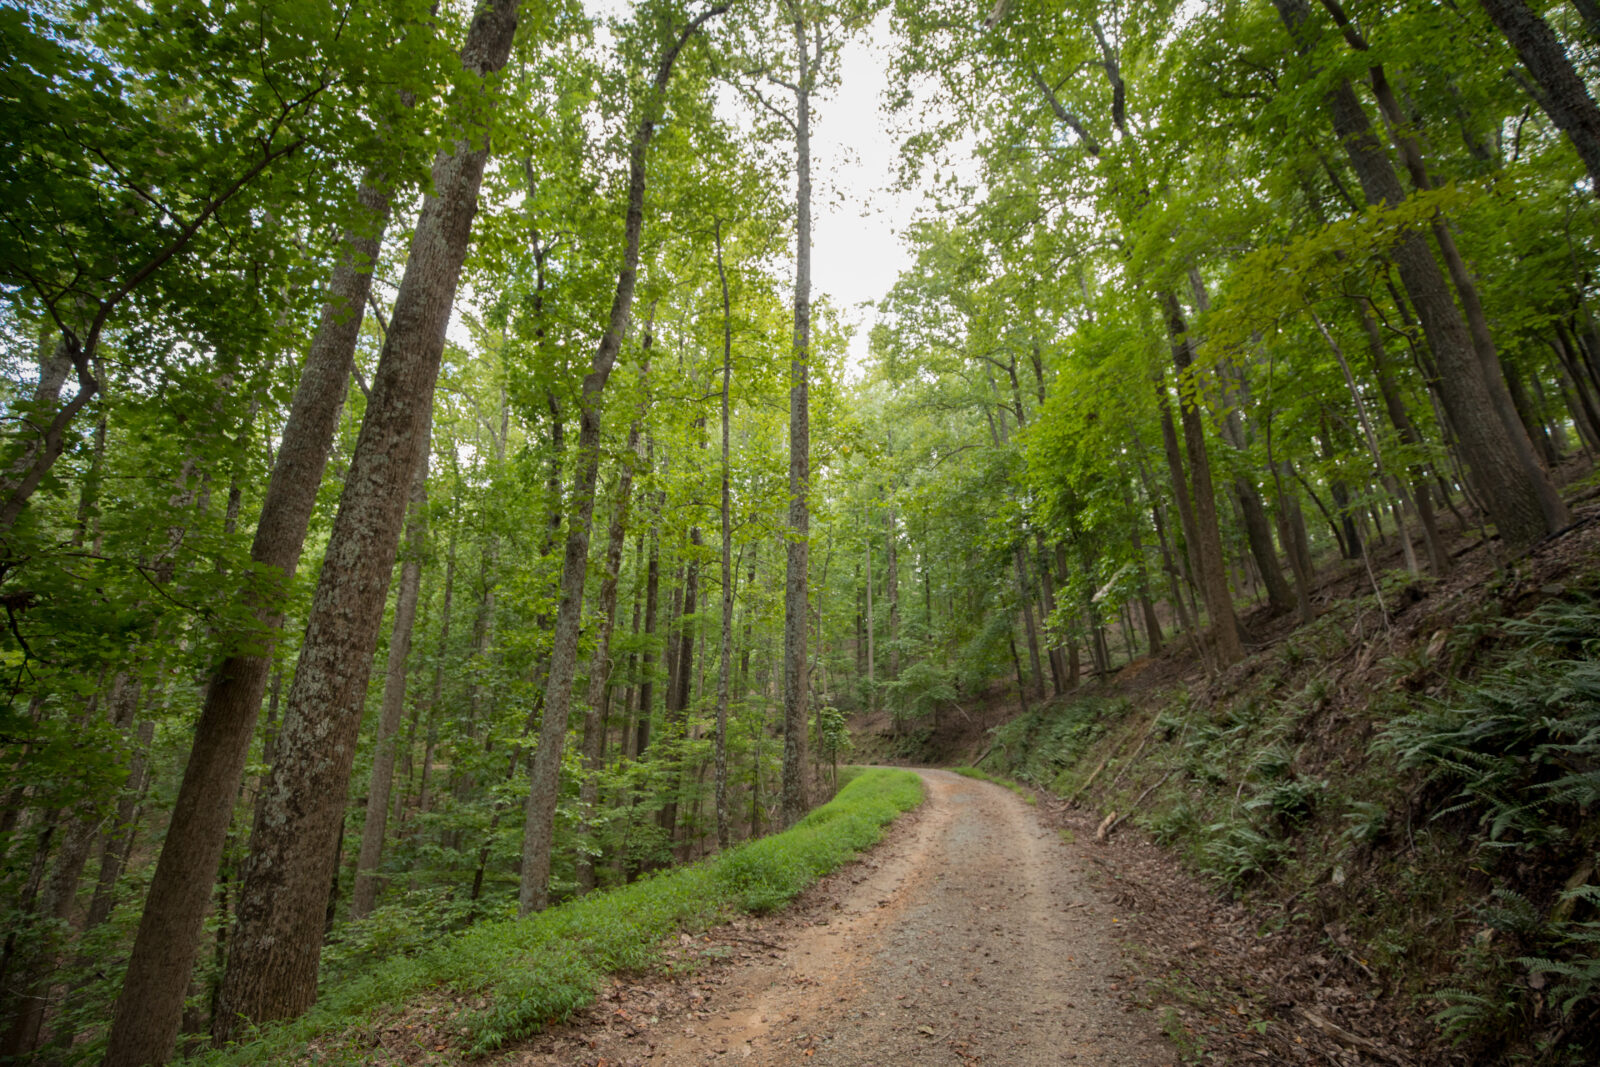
(1517, 491)
(150, 1007)
(1561, 89)
(272, 970)
(364, 894)
(545, 773)
(796, 799)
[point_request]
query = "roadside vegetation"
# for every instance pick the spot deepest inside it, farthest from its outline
(530, 973)
(1407, 787)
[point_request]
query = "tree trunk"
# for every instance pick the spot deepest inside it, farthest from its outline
(436, 692)
(545, 773)
(891, 581)
(725, 651)
(1561, 90)
(1400, 419)
(796, 799)
(872, 635)
(272, 971)
(1518, 493)
(364, 894)
(1030, 627)
(597, 702)
(647, 683)
(1212, 570)
(1047, 604)
(675, 722)
(150, 1007)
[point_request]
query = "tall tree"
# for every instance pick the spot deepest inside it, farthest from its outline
(545, 773)
(796, 799)
(1520, 497)
(277, 940)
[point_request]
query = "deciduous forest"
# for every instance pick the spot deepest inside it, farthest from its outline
(433, 490)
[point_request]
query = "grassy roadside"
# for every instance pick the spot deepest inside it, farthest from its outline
(1000, 780)
(532, 973)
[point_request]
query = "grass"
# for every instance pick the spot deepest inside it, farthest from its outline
(985, 776)
(537, 971)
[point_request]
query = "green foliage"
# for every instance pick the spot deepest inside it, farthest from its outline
(1000, 780)
(1042, 748)
(1523, 741)
(1236, 850)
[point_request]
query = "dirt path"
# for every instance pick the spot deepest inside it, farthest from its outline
(966, 937)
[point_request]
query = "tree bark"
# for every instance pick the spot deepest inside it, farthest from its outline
(1517, 491)
(796, 799)
(364, 894)
(1212, 569)
(597, 699)
(1562, 92)
(545, 773)
(272, 971)
(725, 651)
(1400, 419)
(150, 1007)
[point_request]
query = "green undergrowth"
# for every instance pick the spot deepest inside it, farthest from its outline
(1428, 813)
(528, 974)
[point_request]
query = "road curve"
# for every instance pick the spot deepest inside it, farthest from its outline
(968, 937)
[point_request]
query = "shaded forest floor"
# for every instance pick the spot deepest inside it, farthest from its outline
(1286, 940)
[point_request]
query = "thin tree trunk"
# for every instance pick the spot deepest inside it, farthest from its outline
(872, 631)
(796, 798)
(597, 699)
(1400, 419)
(545, 773)
(651, 606)
(1030, 627)
(891, 572)
(1212, 572)
(725, 652)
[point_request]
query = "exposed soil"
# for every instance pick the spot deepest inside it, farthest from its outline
(973, 934)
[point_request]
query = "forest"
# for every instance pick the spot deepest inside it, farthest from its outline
(432, 490)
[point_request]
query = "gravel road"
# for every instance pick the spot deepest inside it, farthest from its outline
(968, 937)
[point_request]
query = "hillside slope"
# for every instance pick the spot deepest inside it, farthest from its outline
(1391, 811)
